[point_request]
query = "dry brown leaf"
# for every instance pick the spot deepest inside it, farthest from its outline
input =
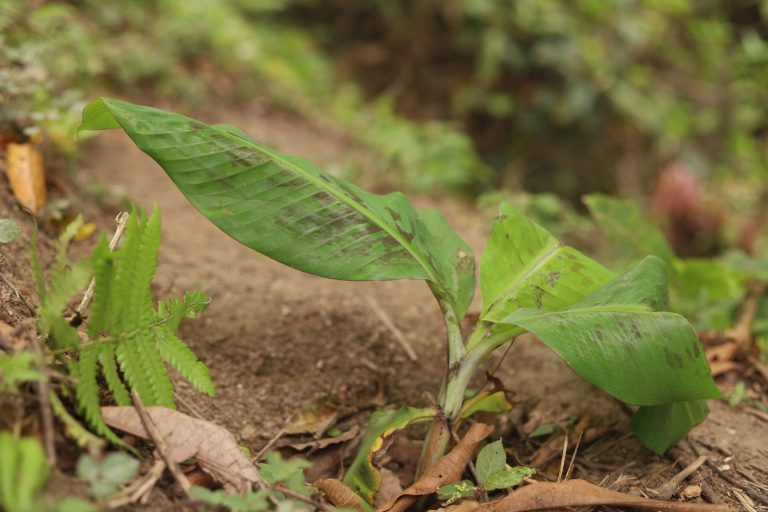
(315, 418)
(390, 487)
(26, 175)
(339, 495)
(319, 444)
(213, 446)
(580, 493)
(462, 506)
(447, 470)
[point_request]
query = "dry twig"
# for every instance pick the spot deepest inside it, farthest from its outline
(160, 446)
(666, 491)
(122, 220)
(138, 490)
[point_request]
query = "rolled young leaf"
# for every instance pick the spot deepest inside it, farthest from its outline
(286, 208)
(524, 266)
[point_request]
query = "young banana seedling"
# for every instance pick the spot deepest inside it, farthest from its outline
(612, 330)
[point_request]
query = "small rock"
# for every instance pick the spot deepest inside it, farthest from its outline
(690, 492)
(248, 432)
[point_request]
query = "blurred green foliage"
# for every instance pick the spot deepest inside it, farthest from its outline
(54, 53)
(570, 96)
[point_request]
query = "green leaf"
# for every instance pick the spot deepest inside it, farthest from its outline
(9, 230)
(118, 467)
(660, 427)
(23, 472)
(73, 428)
(17, 368)
(545, 429)
(361, 476)
(290, 473)
(707, 292)
(524, 266)
(633, 235)
(287, 209)
(485, 401)
(616, 339)
(491, 459)
(454, 492)
(508, 477)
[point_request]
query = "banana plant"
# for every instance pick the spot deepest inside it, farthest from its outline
(612, 330)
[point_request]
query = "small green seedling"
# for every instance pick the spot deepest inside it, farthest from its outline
(614, 330)
(104, 477)
(276, 472)
(492, 472)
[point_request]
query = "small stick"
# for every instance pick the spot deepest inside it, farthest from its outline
(573, 457)
(562, 458)
(43, 389)
(272, 441)
(160, 446)
(668, 489)
(19, 295)
(140, 488)
(122, 220)
(393, 328)
(301, 497)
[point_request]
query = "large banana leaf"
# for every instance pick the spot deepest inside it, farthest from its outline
(524, 266)
(289, 210)
(661, 426)
(618, 339)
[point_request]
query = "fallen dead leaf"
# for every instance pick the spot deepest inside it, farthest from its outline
(580, 493)
(463, 506)
(340, 496)
(213, 446)
(319, 444)
(24, 165)
(315, 418)
(447, 470)
(389, 489)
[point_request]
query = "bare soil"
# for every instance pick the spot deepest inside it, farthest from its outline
(275, 338)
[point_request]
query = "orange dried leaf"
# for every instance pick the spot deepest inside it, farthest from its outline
(447, 470)
(24, 163)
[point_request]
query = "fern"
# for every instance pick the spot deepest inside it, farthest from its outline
(129, 341)
(131, 338)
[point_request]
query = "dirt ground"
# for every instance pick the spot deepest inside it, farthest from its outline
(275, 338)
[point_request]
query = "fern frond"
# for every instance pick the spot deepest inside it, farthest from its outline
(65, 284)
(60, 334)
(73, 427)
(128, 354)
(87, 392)
(119, 317)
(145, 263)
(61, 290)
(103, 263)
(60, 262)
(171, 312)
(176, 353)
(156, 373)
(109, 370)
